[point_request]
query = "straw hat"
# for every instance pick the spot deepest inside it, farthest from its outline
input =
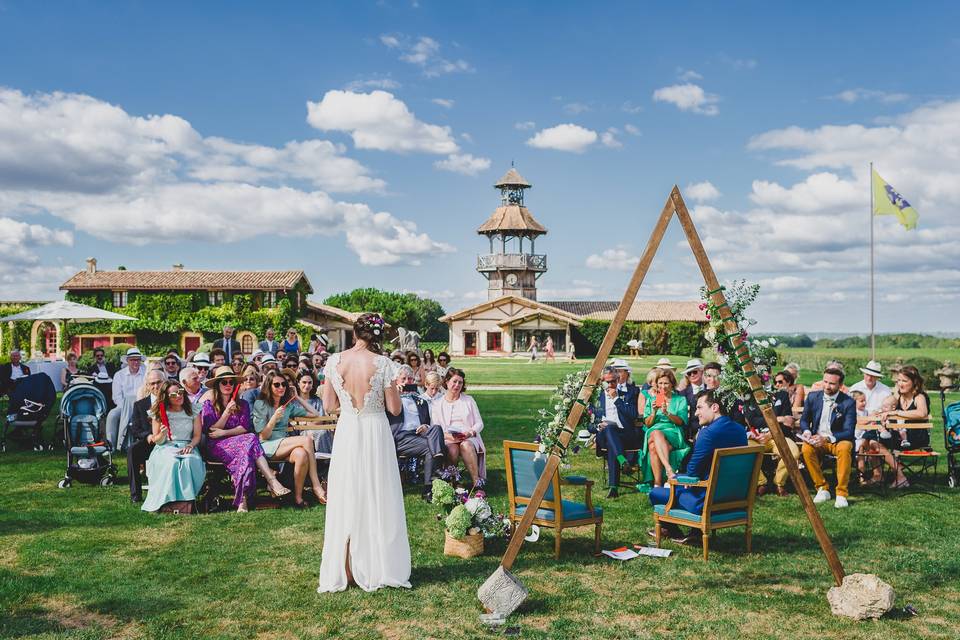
(664, 363)
(872, 369)
(222, 372)
(693, 365)
(200, 361)
(132, 352)
(620, 363)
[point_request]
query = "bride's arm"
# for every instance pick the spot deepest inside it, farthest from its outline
(330, 400)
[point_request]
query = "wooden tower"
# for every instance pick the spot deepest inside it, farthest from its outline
(510, 270)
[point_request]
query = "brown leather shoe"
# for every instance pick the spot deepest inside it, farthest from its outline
(762, 491)
(782, 492)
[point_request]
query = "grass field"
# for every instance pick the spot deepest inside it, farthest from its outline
(520, 371)
(85, 563)
(814, 358)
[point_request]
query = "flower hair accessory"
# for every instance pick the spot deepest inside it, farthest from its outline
(374, 323)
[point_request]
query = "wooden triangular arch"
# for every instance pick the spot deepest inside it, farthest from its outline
(674, 204)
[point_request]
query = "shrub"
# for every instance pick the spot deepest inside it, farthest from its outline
(111, 354)
(685, 338)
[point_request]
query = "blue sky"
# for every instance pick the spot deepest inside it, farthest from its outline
(316, 135)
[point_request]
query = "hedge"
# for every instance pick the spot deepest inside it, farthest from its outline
(679, 338)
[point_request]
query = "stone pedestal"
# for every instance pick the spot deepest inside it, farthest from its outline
(861, 596)
(502, 593)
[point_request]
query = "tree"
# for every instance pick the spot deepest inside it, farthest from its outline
(406, 310)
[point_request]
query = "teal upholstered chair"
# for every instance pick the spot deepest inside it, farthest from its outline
(523, 472)
(730, 493)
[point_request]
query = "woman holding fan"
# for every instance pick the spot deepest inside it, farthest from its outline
(277, 404)
(230, 439)
(175, 469)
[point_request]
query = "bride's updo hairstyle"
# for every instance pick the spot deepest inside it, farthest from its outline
(370, 327)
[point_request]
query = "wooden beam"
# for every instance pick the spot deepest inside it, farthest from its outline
(573, 419)
(759, 395)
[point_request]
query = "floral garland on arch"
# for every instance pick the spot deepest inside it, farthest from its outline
(734, 385)
(554, 418)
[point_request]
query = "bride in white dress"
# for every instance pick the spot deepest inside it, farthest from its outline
(365, 534)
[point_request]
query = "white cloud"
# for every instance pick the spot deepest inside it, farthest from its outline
(738, 64)
(576, 108)
(525, 126)
(629, 107)
(378, 120)
(617, 259)
(856, 95)
(166, 182)
(424, 52)
(564, 137)
(388, 84)
(464, 163)
(631, 129)
(609, 138)
(686, 75)
(444, 102)
(688, 97)
(702, 191)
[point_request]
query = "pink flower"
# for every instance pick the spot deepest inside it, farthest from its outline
(703, 306)
(708, 316)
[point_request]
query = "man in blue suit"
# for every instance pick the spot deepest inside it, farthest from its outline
(827, 425)
(717, 431)
(615, 417)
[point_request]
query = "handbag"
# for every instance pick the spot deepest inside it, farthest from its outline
(180, 507)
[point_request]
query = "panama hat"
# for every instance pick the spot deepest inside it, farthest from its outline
(664, 363)
(201, 361)
(693, 365)
(872, 369)
(132, 352)
(620, 363)
(222, 372)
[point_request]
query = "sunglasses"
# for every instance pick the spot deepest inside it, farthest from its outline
(227, 383)
(443, 361)
(780, 381)
(176, 393)
(168, 362)
(279, 385)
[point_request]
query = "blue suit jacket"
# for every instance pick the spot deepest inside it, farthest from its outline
(843, 421)
(626, 404)
(719, 434)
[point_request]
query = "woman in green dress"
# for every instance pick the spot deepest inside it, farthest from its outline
(175, 469)
(665, 414)
(277, 403)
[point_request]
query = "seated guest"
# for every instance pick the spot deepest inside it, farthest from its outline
(127, 383)
(249, 379)
(237, 363)
(268, 364)
(317, 361)
(397, 356)
(412, 432)
(315, 345)
(190, 380)
(171, 366)
(711, 375)
(413, 361)
(751, 417)
(231, 440)
(458, 415)
(665, 416)
(291, 345)
(434, 387)
(717, 431)
(281, 356)
(70, 371)
(798, 392)
(910, 403)
(218, 357)
(694, 384)
(827, 426)
(102, 373)
(833, 364)
(322, 438)
(291, 363)
(275, 406)
(616, 415)
(650, 379)
(12, 371)
(443, 363)
(141, 427)
(429, 365)
(873, 390)
(175, 469)
(270, 345)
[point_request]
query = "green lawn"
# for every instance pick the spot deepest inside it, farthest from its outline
(84, 563)
(814, 358)
(520, 371)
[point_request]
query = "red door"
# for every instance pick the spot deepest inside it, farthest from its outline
(469, 343)
(190, 343)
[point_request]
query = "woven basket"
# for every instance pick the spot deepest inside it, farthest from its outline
(467, 547)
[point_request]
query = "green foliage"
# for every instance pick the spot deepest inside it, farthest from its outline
(434, 345)
(111, 355)
(458, 521)
(796, 341)
(406, 310)
(683, 338)
(20, 336)
(890, 340)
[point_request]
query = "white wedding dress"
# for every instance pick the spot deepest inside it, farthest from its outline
(364, 496)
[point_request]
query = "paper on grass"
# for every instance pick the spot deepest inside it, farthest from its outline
(622, 553)
(654, 552)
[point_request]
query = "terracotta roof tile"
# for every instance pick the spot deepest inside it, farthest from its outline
(185, 280)
(511, 218)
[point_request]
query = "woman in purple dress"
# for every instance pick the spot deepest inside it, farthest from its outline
(232, 441)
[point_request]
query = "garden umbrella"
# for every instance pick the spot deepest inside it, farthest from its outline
(66, 311)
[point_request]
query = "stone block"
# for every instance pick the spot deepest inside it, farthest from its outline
(861, 596)
(502, 593)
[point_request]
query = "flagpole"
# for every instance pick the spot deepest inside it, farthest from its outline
(873, 344)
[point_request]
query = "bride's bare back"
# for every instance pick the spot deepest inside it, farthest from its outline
(356, 369)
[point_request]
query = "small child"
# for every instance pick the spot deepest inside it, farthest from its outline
(861, 445)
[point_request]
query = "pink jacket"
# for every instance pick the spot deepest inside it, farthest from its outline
(441, 413)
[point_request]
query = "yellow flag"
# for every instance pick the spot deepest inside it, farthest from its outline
(887, 202)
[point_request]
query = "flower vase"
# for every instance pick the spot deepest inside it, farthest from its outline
(468, 546)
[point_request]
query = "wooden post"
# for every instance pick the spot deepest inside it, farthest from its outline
(742, 353)
(573, 419)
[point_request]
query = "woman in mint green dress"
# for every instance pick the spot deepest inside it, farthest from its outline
(277, 403)
(665, 414)
(175, 469)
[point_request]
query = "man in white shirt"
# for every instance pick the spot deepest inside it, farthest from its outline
(12, 371)
(828, 425)
(871, 387)
(270, 345)
(127, 383)
(412, 432)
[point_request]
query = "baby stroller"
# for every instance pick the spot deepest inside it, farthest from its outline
(83, 409)
(30, 403)
(951, 438)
